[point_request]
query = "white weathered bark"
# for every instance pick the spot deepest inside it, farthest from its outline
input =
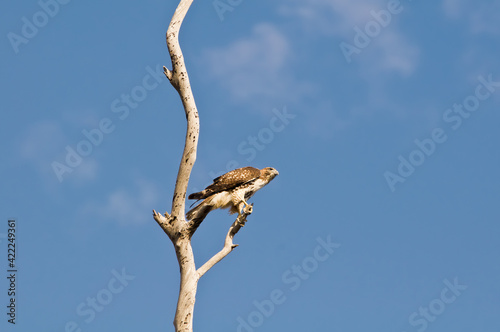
(228, 243)
(180, 80)
(174, 224)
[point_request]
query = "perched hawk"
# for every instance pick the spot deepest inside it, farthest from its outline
(231, 190)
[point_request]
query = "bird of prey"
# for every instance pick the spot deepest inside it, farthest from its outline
(231, 190)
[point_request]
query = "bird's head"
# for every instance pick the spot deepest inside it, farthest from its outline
(269, 173)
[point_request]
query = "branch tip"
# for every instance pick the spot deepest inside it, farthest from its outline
(167, 73)
(160, 218)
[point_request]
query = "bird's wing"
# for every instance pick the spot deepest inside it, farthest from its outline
(233, 179)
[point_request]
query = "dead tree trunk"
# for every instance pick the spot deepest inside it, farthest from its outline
(174, 223)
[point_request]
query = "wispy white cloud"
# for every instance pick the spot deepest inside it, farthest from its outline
(87, 170)
(127, 206)
(395, 53)
(333, 17)
(392, 50)
(482, 17)
(486, 18)
(41, 142)
(389, 52)
(254, 67)
(476, 18)
(453, 8)
(44, 142)
(260, 65)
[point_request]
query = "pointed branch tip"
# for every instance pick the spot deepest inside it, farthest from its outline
(157, 216)
(167, 73)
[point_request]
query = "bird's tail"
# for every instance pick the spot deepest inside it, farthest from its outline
(198, 195)
(200, 211)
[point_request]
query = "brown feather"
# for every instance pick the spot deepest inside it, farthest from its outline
(228, 181)
(230, 190)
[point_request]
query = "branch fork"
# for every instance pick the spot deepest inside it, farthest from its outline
(167, 73)
(174, 224)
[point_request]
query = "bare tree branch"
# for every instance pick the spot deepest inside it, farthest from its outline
(183, 320)
(228, 243)
(180, 81)
(164, 223)
(174, 224)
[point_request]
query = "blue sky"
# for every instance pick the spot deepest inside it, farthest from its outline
(381, 117)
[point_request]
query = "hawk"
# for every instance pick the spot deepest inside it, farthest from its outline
(231, 190)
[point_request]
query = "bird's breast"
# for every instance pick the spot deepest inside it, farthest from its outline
(221, 200)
